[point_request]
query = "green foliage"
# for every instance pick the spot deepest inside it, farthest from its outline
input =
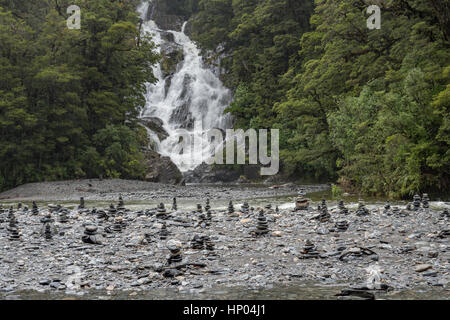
(65, 95)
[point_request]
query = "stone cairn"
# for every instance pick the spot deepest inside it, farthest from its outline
(13, 230)
(118, 224)
(82, 204)
(198, 242)
(387, 208)
(209, 246)
(163, 233)
(445, 214)
(90, 235)
(261, 225)
(112, 211)
(362, 210)
(207, 206)
(209, 215)
(341, 226)
(47, 222)
(277, 210)
(161, 212)
(245, 207)
(425, 201)
(121, 205)
(35, 209)
(342, 208)
(230, 207)
(397, 212)
(101, 215)
(19, 206)
(48, 231)
(322, 205)
(417, 201)
(199, 209)
(62, 216)
(301, 203)
(174, 205)
(25, 209)
(309, 251)
(174, 247)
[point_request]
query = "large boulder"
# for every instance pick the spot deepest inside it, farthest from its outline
(156, 125)
(205, 173)
(162, 169)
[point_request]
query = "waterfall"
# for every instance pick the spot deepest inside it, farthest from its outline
(192, 93)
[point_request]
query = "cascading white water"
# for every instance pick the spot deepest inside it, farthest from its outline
(195, 94)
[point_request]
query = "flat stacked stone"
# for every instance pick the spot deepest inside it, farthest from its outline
(117, 225)
(35, 209)
(82, 204)
(342, 208)
(102, 215)
(174, 204)
(163, 233)
(417, 201)
(174, 247)
(425, 201)
(261, 225)
(90, 235)
(341, 226)
(197, 242)
(112, 211)
(121, 205)
(301, 203)
(362, 210)
(309, 251)
(161, 212)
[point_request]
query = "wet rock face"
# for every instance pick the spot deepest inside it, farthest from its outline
(165, 15)
(162, 169)
(156, 125)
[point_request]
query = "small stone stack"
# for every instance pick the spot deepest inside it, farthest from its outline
(121, 205)
(301, 203)
(13, 230)
(199, 208)
(245, 207)
(117, 225)
(209, 216)
(207, 206)
(341, 226)
(19, 206)
(309, 251)
(261, 225)
(209, 246)
(230, 208)
(416, 202)
(161, 212)
(396, 211)
(387, 208)
(324, 215)
(62, 216)
(425, 201)
(112, 211)
(445, 214)
(48, 231)
(25, 209)
(163, 233)
(174, 247)
(362, 210)
(90, 235)
(101, 215)
(35, 209)
(323, 205)
(197, 242)
(342, 208)
(82, 205)
(277, 210)
(174, 205)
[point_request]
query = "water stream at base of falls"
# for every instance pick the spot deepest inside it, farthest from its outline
(192, 95)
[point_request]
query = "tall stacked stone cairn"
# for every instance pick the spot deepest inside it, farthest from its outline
(341, 226)
(174, 247)
(324, 215)
(62, 216)
(209, 246)
(322, 205)
(425, 201)
(362, 210)
(417, 201)
(82, 204)
(342, 208)
(90, 235)
(387, 208)
(208, 205)
(47, 222)
(163, 233)
(48, 231)
(245, 207)
(301, 203)
(112, 211)
(309, 251)
(261, 224)
(35, 209)
(174, 205)
(161, 212)
(209, 215)
(121, 205)
(230, 207)
(199, 208)
(118, 224)
(13, 230)
(197, 242)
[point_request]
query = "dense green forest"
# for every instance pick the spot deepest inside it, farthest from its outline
(366, 108)
(69, 98)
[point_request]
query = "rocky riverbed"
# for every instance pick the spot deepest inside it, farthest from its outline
(364, 251)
